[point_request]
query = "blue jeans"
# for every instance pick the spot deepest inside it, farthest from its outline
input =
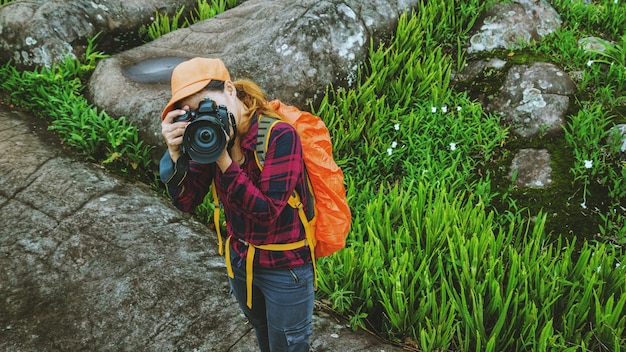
(282, 305)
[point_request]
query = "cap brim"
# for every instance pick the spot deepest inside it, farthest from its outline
(182, 94)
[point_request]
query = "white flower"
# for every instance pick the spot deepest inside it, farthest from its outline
(459, 108)
(394, 144)
(396, 127)
(433, 109)
(389, 151)
(444, 109)
(588, 164)
(617, 264)
(452, 146)
(589, 63)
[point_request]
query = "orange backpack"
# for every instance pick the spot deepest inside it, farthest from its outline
(332, 214)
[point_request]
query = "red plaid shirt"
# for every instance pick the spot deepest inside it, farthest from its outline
(254, 201)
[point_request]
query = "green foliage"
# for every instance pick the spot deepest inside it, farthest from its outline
(56, 95)
(604, 18)
(595, 146)
(209, 10)
(402, 121)
(604, 76)
(435, 266)
(163, 24)
(429, 263)
(606, 73)
(590, 133)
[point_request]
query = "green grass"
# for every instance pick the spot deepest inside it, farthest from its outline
(55, 94)
(447, 259)
(444, 252)
(205, 9)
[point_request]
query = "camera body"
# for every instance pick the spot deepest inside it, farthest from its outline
(204, 138)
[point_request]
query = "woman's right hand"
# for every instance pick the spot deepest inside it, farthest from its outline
(173, 132)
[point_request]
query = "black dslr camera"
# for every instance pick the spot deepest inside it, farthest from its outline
(204, 138)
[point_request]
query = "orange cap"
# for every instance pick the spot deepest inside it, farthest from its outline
(191, 76)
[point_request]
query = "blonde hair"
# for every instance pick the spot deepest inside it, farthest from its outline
(252, 96)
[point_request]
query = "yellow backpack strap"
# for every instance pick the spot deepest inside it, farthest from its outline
(265, 123)
(229, 266)
(216, 218)
(250, 261)
(249, 269)
(296, 203)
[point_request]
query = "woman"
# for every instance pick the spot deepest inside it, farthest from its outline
(255, 202)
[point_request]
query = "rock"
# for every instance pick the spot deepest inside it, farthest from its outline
(89, 261)
(594, 44)
(534, 99)
(508, 23)
(92, 262)
(39, 33)
(531, 168)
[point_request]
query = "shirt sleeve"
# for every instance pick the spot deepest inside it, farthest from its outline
(263, 201)
(166, 167)
(194, 185)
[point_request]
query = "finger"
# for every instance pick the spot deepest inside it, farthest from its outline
(228, 137)
(172, 132)
(169, 118)
(175, 133)
(176, 128)
(175, 141)
(173, 138)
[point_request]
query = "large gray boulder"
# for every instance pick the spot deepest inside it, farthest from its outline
(38, 33)
(91, 262)
(293, 49)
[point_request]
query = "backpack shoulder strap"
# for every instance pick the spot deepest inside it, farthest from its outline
(266, 123)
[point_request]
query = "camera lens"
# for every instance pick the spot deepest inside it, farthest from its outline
(205, 136)
(204, 140)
